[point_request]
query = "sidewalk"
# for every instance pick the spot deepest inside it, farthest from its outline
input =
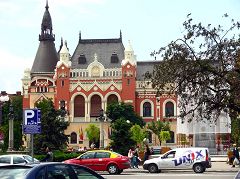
(218, 158)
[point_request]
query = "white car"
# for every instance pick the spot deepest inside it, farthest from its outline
(194, 158)
(10, 159)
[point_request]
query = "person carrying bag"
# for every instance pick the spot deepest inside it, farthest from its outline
(235, 155)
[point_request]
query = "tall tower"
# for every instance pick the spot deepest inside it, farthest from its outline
(129, 76)
(46, 57)
(61, 78)
(38, 82)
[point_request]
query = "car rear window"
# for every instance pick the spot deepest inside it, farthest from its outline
(102, 155)
(13, 172)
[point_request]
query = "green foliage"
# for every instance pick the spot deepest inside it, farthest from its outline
(235, 132)
(204, 69)
(165, 135)
(16, 102)
(93, 133)
(157, 126)
(138, 133)
(116, 111)
(53, 126)
(121, 136)
(59, 156)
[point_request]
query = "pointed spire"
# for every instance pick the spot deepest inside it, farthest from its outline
(64, 49)
(46, 26)
(129, 47)
(61, 41)
(120, 34)
(80, 36)
(46, 57)
(46, 5)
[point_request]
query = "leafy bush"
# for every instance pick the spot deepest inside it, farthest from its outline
(59, 156)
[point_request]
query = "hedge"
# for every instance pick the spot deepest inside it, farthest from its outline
(59, 156)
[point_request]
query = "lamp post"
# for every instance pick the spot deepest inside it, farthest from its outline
(101, 119)
(11, 118)
(4, 99)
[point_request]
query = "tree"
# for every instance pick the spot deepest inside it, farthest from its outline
(138, 134)
(202, 68)
(157, 126)
(235, 132)
(165, 135)
(93, 133)
(52, 125)
(116, 111)
(121, 140)
(16, 102)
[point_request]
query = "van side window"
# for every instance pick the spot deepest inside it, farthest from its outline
(170, 155)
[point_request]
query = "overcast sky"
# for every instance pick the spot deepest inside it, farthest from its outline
(148, 24)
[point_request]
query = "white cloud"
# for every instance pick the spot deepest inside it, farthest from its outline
(11, 71)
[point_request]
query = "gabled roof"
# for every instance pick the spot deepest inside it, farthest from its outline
(103, 48)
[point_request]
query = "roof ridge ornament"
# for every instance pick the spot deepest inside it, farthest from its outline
(95, 57)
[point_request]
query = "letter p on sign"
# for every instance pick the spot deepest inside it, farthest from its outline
(29, 114)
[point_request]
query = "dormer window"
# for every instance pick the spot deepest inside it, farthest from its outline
(82, 59)
(114, 58)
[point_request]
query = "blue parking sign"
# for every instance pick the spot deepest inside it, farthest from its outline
(32, 121)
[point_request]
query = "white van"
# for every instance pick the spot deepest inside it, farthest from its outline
(194, 158)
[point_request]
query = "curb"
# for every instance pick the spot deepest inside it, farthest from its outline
(182, 170)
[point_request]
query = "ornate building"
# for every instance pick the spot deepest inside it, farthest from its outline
(99, 72)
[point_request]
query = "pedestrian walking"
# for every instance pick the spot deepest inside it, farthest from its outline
(147, 153)
(235, 155)
(136, 157)
(49, 156)
(131, 157)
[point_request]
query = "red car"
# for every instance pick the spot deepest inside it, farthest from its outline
(102, 160)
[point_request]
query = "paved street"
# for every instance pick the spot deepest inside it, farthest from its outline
(220, 170)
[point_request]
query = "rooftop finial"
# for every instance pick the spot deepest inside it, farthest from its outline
(120, 34)
(46, 5)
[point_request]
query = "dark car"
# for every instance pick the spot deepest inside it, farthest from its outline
(52, 170)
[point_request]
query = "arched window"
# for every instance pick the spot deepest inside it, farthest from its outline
(172, 137)
(147, 109)
(112, 99)
(73, 138)
(169, 109)
(96, 106)
(79, 106)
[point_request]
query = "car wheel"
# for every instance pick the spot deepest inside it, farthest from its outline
(153, 168)
(120, 171)
(112, 169)
(198, 168)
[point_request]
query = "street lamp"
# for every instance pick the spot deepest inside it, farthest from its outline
(11, 118)
(4, 99)
(101, 118)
